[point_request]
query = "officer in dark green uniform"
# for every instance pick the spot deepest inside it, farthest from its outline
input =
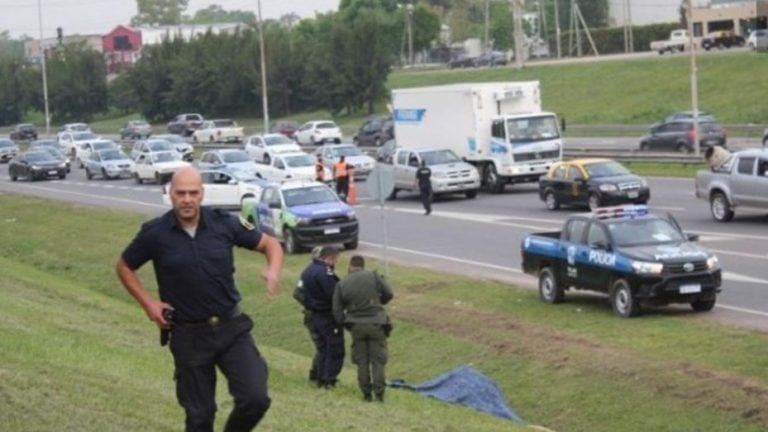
(358, 303)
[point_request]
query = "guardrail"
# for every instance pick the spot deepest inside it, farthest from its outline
(626, 155)
(746, 130)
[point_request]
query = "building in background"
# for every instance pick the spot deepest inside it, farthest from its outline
(738, 16)
(643, 12)
(34, 48)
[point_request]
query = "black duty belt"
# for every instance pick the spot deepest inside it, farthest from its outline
(214, 320)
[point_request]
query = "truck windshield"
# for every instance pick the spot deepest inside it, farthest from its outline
(439, 157)
(532, 129)
(636, 232)
(308, 195)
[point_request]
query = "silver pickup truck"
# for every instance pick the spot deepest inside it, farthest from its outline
(735, 180)
(449, 173)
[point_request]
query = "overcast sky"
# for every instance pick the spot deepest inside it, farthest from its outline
(100, 16)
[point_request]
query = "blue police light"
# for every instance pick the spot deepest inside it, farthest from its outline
(625, 211)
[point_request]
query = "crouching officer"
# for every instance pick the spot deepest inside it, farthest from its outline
(358, 303)
(319, 282)
(190, 248)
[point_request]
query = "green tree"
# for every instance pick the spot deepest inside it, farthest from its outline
(15, 89)
(216, 14)
(77, 83)
(159, 12)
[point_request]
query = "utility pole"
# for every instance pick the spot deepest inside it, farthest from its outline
(45, 75)
(517, 11)
(694, 80)
(626, 32)
(486, 44)
(557, 30)
(629, 27)
(263, 55)
(410, 33)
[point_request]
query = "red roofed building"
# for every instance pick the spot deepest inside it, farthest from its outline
(122, 48)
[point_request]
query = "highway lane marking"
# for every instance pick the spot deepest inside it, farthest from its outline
(109, 186)
(102, 197)
(741, 254)
(737, 277)
(726, 275)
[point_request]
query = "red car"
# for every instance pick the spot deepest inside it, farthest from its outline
(287, 128)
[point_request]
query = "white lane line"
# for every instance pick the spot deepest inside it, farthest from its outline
(481, 218)
(737, 277)
(741, 254)
(743, 310)
(445, 257)
(101, 197)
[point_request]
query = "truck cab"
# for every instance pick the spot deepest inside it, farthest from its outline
(449, 173)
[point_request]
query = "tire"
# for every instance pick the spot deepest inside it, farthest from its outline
(80, 163)
(291, 247)
(158, 178)
(593, 201)
(703, 305)
(683, 148)
(312, 141)
(88, 174)
(550, 290)
(104, 174)
(14, 177)
(550, 200)
(720, 207)
(471, 194)
(491, 180)
(393, 195)
(644, 146)
(62, 176)
(622, 302)
(352, 245)
(138, 179)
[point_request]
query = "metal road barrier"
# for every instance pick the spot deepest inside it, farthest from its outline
(634, 155)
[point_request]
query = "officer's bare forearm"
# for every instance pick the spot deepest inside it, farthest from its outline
(132, 284)
(271, 248)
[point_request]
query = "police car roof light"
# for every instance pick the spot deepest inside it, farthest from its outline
(626, 211)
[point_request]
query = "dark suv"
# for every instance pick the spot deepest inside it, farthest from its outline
(185, 124)
(374, 132)
(24, 131)
(679, 135)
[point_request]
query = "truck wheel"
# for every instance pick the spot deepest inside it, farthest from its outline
(550, 290)
(88, 174)
(392, 195)
(291, 247)
(351, 245)
(593, 201)
(471, 194)
(493, 183)
(644, 146)
(703, 304)
(624, 305)
(137, 178)
(104, 174)
(551, 200)
(720, 207)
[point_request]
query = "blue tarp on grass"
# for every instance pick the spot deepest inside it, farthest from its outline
(465, 386)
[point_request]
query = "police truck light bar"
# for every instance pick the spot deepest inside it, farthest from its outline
(626, 211)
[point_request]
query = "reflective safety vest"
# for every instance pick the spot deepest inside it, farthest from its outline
(340, 169)
(319, 171)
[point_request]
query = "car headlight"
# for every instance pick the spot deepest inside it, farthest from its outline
(351, 215)
(62, 165)
(35, 167)
(643, 267)
(713, 262)
(608, 188)
(303, 221)
(438, 174)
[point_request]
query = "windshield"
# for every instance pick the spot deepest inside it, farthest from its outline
(79, 127)
(235, 156)
(298, 161)
(54, 152)
(40, 157)
(346, 151)
(159, 145)
(439, 157)
(278, 140)
(104, 145)
(326, 125)
(6, 143)
(636, 232)
(224, 123)
(84, 136)
(605, 169)
(42, 143)
(165, 157)
(532, 129)
(112, 155)
(174, 139)
(308, 195)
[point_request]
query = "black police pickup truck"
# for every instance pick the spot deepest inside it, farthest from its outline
(634, 256)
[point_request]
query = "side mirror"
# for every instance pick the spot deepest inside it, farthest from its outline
(601, 245)
(693, 237)
(274, 205)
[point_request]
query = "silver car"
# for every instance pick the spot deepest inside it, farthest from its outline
(107, 164)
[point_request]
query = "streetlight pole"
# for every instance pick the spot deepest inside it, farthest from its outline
(45, 77)
(557, 30)
(694, 81)
(263, 55)
(409, 8)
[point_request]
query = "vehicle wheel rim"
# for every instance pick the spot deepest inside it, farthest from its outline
(622, 301)
(290, 244)
(718, 207)
(547, 287)
(550, 201)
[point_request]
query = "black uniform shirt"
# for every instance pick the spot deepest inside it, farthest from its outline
(318, 281)
(422, 175)
(195, 275)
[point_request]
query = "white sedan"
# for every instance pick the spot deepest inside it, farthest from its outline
(157, 166)
(318, 132)
(262, 148)
(222, 130)
(222, 188)
(291, 166)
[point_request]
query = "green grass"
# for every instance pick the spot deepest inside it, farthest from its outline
(647, 169)
(76, 353)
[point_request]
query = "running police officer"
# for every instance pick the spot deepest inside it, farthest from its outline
(299, 293)
(357, 303)
(190, 248)
(423, 175)
(319, 281)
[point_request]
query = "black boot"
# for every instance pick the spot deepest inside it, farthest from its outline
(367, 397)
(380, 396)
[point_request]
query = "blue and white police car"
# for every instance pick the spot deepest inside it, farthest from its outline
(634, 256)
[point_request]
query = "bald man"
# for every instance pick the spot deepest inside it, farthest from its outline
(190, 248)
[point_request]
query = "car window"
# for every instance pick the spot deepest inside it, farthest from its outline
(401, 158)
(575, 231)
(326, 125)
(559, 172)
(574, 173)
(762, 168)
(95, 157)
(596, 234)
(635, 232)
(746, 165)
(235, 156)
(413, 160)
(279, 164)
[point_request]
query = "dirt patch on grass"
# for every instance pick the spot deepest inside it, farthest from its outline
(680, 382)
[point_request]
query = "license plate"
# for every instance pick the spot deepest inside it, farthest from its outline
(690, 288)
(331, 231)
(633, 194)
(53, 172)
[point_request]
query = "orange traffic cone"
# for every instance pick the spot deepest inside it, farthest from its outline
(352, 193)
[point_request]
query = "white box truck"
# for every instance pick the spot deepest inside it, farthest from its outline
(497, 127)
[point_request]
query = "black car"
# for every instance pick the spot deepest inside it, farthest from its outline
(35, 165)
(592, 183)
(462, 62)
(185, 124)
(59, 155)
(374, 132)
(24, 131)
(135, 129)
(492, 58)
(679, 135)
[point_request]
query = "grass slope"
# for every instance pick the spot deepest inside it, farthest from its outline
(76, 353)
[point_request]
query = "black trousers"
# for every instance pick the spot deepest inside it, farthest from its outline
(197, 350)
(426, 198)
(342, 187)
(313, 375)
(329, 345)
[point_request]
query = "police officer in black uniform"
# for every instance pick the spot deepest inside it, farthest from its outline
(299, 294)
(423, 175)
(319, 282)
(191, 250)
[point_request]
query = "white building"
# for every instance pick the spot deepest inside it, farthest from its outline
(642, 12)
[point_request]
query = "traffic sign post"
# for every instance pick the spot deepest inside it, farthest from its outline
(381, 183)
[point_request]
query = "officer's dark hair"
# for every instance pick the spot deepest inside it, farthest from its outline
(357, 261)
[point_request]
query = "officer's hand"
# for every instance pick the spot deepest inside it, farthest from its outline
(154, 311)
(273, 283)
